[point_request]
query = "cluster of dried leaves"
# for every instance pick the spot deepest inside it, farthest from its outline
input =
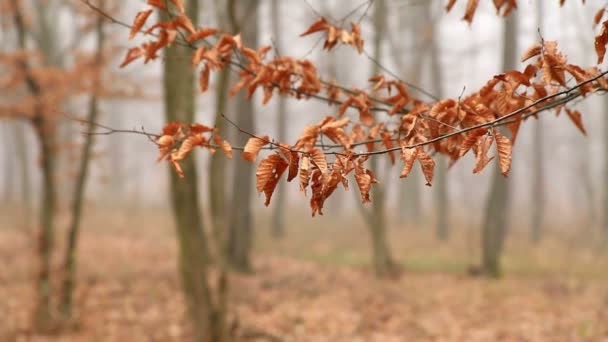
(178, 140)
(415, 129)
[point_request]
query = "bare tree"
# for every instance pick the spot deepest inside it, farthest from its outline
(497, 207)
(69, 261)
(538, 185)
(375, 217)
(278, 215)
(206, 315)
(243, 18)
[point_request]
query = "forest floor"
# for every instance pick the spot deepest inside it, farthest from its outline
(315, 285)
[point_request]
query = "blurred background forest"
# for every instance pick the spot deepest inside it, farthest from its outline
(419, 263)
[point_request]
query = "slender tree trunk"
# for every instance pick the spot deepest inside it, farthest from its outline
(45, 133)
(409, 194)
(278, 215)
(218, 167)
(376, 216)
(441, 186)
(243, 18)
(497, 208)
(26, 183)
(605, 214)
(206, 318)
(538, 186)
(8, 190)
(69, 261)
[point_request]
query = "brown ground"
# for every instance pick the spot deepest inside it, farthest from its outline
(313, 287)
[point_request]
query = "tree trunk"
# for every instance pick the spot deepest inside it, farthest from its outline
(69, 261)
(538, 186)
(384, 266)
(605, 214)
(278, 215)
(408, 193)
(207, 322)
(441, 186)
(8, 191)
(497, 208)
(23, 160)
(218, 167)
(376, 216)
(45, 133)
(243, 18)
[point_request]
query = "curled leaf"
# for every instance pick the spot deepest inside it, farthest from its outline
(268, 174)
(600, 42)
(139, 22)
(427, 164)
(253, 147)
(577, 119)
(304, 173)
(503, 147)
(481, 153)
(408, 155)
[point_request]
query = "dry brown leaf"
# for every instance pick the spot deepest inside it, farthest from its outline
(470, 11)
(224, 145)
(470, 140)
(201, 34)
(598, 16)
(449, 5)
(319, 25)
(481, 153)
(427, 164)
(158, 4)
(204, 78)
(532, 51)
(132, 54)
(304, 173)
(408, 155)
(253, 147)
(600, 42)
(268, 174)
(503, 147)
(317, 157)
(139, 22)
(577, 119)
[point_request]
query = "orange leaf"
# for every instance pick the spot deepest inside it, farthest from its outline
(449, 5)
(204, 78)
(180, 6)
(139, 22)
(253, 147)
(201, 34)
(577, 119)
(268, 174)
(470, 11)
(470, 140)
(598, 16)
(600, 42)
(304, 173)
(427, 164)
(132, 54)
(408, 155)
(318, 159)
(158, 4)
(224, 145)
(481, 157)
(185, 23)
(317, 26)
(503, 147)
(532, 51)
